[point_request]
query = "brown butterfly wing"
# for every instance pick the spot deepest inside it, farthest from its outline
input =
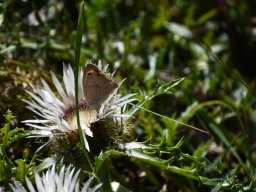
(97, 85)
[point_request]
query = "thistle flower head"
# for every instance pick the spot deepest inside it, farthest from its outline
(67, 180)
(98, 100)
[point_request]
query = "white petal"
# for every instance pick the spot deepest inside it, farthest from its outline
(86, 144)
(74, 181)
(59, 87)
(86, 129)
(17, 187)
(39, 184)
(41, 133)
(47, 88)
(37, 121)
(87, 185)
(30, 186)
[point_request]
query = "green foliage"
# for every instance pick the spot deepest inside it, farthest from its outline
(9, 136)
(211, 45)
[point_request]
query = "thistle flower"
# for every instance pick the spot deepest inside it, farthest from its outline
(96, 102)
(66, 181)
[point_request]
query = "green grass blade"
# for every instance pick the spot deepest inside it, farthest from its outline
(80, 30)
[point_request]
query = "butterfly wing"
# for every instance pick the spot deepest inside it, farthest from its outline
(97, 85)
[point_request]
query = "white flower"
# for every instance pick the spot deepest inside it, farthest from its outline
(64, 181)
(57, 111)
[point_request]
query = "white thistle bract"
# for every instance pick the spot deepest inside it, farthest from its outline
(67, 180)
(57, 111)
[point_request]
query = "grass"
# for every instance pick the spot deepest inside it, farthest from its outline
(190, 65)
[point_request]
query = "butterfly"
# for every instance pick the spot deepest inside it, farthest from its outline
(97, 85)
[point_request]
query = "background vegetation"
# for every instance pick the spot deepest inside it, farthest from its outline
(152, 43)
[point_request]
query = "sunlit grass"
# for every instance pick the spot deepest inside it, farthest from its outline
(193, 117)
